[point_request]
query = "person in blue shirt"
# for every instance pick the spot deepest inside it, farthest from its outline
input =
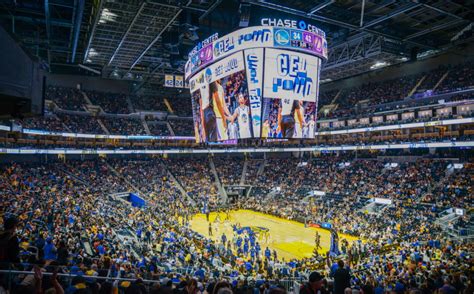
(71, 219)
(101, 249)
(246, 248)
(239, 241)
(252, 254)
(49, 250)
(252, 240)
(248, 266)
(268, 253)
(200, 273)
(258, 249)
(224, 238)
(139, 233)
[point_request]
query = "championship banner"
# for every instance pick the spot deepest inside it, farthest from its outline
(254, 68)
(169, 81)
(178, 81)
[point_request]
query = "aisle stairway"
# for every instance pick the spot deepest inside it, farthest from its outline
(130, 105)
(134, 188)
(220, 188)
(177, 183)
(440, 81)
(168, 125)
(244, 172)
(102, 126)
(145, 126)
(416, 86)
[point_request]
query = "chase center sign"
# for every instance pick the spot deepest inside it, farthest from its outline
(292, 24)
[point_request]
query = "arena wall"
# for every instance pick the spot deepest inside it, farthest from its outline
(89, 83)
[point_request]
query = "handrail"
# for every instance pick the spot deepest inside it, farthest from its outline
(403, 145)
(78, 275)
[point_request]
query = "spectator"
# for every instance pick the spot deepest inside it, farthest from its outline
(9, 247)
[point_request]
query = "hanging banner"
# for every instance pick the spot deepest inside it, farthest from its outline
(169, 81)
(178, 81)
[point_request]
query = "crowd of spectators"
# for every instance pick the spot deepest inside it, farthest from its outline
(49, 122)
(459, 77)
(158, 128)
(229, 170)
(430, 81)
(181, 106)
(124, 126)
(83, 124)
(148, 103)
(182, 127)
(197, 179)
(66, 98)
(69, 220)
(109, 102)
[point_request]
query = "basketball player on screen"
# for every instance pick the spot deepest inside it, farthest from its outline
(299, 121)
(242, 113)
(220, 108)
(208, 117)
(286, 117)
(266, 129)
(311, 126)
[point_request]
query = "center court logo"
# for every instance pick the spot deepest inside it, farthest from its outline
(282, 37)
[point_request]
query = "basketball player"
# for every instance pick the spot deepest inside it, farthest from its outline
(242, 113)
(208, 117)
(311, 127)
(286, 116)
(265, 129)
(299, 121)
(317, 241)
(220, 109)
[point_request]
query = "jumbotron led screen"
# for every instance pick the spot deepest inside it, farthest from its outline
(262, 87)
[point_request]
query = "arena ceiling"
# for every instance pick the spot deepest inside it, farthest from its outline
(142, 40)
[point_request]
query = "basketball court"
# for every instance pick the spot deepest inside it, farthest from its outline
(290, 239)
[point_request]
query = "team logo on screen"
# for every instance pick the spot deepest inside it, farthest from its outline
(282, 37)
(245, 118)
(208, 75)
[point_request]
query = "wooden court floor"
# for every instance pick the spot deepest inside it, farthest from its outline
(289, 238)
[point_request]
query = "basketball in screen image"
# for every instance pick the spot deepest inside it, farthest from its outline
(288, 118)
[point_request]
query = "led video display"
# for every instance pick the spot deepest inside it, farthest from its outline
(221, 105)
(291, 87)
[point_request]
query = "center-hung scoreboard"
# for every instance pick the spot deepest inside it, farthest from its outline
(257, 82)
